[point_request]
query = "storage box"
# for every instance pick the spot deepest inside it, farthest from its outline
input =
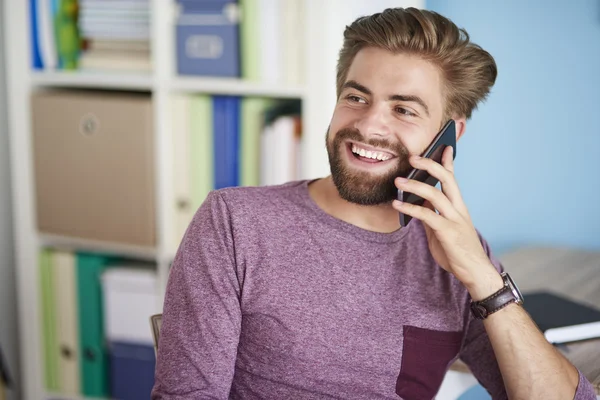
(130, 299)
(94, 168)
(208, 42)
(131, 371)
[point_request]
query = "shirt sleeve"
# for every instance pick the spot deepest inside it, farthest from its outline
(201, 315)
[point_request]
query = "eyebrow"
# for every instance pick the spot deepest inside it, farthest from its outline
(395, 97)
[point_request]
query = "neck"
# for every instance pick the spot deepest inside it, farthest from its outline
(380, 218)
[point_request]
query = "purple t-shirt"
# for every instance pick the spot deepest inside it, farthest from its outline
(269, 297)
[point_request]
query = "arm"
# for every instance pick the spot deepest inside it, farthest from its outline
(494, 345)
(201, 317)
(531, 368)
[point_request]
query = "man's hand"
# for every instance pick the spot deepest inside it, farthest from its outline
(453, 240)
(531, 367)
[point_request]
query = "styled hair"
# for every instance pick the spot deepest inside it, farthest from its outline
(468, 72)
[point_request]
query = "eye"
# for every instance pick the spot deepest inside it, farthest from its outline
(355, 99)
(404, 111)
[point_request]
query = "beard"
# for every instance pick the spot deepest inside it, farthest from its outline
(362, 187)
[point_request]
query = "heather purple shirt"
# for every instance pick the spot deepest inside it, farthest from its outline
(269, 297)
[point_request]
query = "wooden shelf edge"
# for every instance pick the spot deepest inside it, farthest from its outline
(94, 246)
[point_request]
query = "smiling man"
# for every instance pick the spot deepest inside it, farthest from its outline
(312, 290)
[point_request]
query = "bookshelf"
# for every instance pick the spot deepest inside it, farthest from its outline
(325, 21)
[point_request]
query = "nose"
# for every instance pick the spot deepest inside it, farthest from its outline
(374, 122)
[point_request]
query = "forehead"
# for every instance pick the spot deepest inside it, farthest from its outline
(386, 74)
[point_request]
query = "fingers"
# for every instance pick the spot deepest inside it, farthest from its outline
(429, 217)
(445, 174)
(431, 194)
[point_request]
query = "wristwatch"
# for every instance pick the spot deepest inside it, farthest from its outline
(509, 294)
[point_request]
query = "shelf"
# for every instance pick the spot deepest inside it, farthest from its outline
(235, 87)
(93, 80)
(93, 246)
(55, 396)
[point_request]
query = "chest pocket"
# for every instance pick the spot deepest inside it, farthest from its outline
(426, 356)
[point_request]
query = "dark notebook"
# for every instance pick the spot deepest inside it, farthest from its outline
(560, 319)
(4, 371)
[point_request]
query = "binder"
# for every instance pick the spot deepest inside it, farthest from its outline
(252, 121)
(201, 148)
(249, 40)
(36, 54)
(49, 330)
(67, 326)
(560, 319)
(226, 140)
(183, 211)
(92, 348)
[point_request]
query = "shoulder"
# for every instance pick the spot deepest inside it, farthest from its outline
(256, 195)
(251, 205)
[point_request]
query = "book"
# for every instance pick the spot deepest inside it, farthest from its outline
(226, 134)
(560, 319)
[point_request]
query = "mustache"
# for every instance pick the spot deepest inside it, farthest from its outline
(354, 135)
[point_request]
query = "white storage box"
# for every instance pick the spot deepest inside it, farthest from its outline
(130, 297)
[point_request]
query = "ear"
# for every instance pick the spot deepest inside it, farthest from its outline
(461, 127)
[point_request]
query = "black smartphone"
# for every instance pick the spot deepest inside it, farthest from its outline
(446, 137)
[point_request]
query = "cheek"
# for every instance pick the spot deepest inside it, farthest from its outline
(412, 138)
(342, 117)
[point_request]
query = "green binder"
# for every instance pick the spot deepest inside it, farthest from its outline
(201, 147)
(253, 110)
(92, 348)
(48, 307)
(249, 37)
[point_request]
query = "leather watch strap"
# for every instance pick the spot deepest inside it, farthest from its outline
(497, 301)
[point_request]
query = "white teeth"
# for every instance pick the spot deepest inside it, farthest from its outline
(375, 155)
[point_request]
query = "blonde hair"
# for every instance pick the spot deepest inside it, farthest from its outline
(468, 71)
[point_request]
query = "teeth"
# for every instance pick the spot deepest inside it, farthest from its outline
(375, 155)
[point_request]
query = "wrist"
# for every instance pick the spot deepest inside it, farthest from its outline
(485, 284)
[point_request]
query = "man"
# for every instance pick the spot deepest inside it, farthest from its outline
(312, 290)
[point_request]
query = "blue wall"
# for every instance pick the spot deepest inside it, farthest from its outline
(529, 163)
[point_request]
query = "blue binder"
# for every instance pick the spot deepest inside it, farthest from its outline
(226, 140)
(131, 370)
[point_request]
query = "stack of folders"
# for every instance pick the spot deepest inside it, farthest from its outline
(562, 320)
(226, 141)
(84, 302)
(116, 35)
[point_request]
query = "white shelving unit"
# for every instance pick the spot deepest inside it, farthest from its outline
(325, 21)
